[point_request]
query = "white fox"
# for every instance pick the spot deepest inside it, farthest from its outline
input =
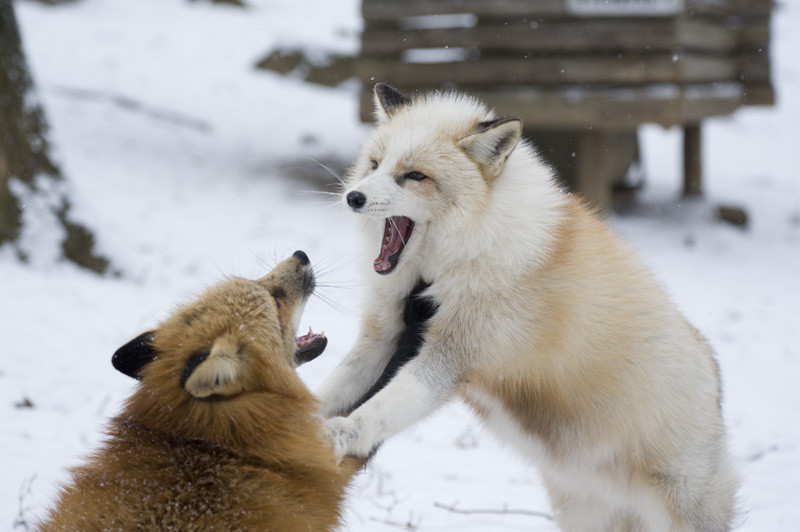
(545, 323)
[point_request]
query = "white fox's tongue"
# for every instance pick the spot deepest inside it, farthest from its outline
(396, 231)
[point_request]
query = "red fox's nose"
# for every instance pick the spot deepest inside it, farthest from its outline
(356, 200)
(301, 256)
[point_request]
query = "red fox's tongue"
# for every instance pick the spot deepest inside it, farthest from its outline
(396, 231)
(309, 347)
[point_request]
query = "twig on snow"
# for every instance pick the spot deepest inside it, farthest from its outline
(21, 521)
(409, 525)
(491, 511)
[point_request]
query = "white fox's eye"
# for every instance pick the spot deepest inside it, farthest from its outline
(374, 164)
(415, 176)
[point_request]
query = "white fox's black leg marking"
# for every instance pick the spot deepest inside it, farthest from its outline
(418, 311)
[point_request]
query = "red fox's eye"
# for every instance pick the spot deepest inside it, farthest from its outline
(374, 164)
(277, 294)
(415, 176)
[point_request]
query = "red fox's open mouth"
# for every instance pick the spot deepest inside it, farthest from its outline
(309, 347)
(395, 236)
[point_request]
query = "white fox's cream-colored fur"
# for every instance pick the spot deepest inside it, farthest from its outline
(548, 326)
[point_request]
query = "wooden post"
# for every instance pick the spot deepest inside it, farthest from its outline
(592, 170)
(692, 161)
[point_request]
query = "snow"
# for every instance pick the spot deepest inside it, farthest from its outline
(190, 166)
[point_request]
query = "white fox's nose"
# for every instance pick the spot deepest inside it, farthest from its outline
(356, 200)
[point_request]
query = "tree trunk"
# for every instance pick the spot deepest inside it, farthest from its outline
(26, 168)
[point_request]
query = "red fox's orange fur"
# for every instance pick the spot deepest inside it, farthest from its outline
(221, 433)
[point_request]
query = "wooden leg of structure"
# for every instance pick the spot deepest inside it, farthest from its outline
(692, 161)
(593, 176)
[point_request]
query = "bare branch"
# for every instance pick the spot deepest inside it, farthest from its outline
(21, 520)
(491, 511)
(409, 525)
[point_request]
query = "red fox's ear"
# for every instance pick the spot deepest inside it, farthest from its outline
(492, 143)
(217, 372)
(387, 101)
(136, 354)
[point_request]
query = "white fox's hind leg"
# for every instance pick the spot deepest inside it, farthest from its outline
(610, 504)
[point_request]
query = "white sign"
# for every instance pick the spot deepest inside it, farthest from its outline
(625, 8)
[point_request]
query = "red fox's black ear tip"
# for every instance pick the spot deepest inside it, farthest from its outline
(133, 356)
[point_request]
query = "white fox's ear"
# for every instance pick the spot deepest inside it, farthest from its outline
(387, 101)
(217, 372)
(492, 143)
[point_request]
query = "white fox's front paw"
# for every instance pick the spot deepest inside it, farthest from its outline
(328, 411)
(344, 435)
(332, 406)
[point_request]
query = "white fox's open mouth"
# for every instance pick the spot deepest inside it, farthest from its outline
(396, 232)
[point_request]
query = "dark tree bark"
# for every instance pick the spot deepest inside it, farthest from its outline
(25, 163)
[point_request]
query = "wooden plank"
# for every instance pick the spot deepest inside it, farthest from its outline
(751, 8)
(698, 34)
(390, 10)
(701, 101)
(553, 70)
(750, 32)
(606, 108)
(759, 95)
(561, 36)
(376, 10)
(754, 67)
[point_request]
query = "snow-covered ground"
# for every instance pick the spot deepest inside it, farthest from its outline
(190, 165)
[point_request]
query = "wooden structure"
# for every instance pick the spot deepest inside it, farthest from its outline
(581, 74)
